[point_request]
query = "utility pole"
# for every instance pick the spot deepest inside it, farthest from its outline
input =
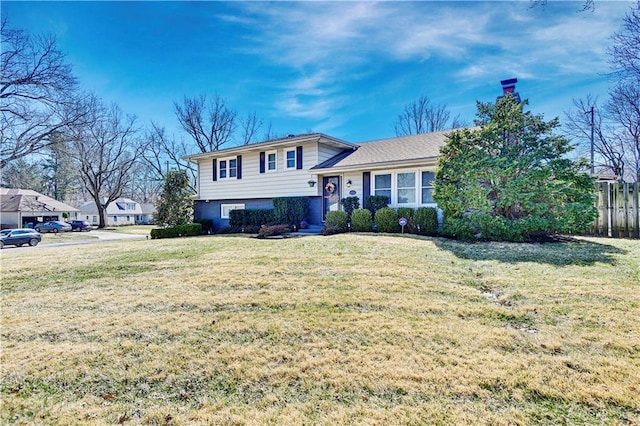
(592, 135)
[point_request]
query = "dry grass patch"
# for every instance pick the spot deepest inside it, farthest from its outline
(345, 329)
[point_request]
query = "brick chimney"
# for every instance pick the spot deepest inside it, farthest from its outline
(509, 86)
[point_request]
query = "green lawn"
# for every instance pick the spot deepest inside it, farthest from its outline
(348, 329)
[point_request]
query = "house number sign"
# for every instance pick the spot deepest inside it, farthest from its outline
(402, 222)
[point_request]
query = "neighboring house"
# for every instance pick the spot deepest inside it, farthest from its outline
(317, 166)
(23, 207)
(146, 217)
(122, 211)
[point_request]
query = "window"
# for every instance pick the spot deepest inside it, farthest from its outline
(115, 218)
(228, 168)
(131, 206)
(382, 185)
(272, 161)
(291, 159)
(427, 187)
(226, 208)
(406, 188)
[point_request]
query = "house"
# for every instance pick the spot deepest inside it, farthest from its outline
(317, 166)
(123, 211)
(146, 217)
(24, 207)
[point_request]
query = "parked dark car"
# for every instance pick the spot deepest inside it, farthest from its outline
(54, 226)
(19, 237)
(80, 225)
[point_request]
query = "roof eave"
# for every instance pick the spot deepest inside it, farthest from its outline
(427, 161)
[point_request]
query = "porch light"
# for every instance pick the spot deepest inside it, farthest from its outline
(312, 183)
(349, 183)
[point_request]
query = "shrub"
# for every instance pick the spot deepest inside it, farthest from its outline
(207, 225)
(373, 203)
(349, 204)
(361, 220)
(426, 220)
(337, 219)
(251, 220)
(187, 230)
(290, 210)
(273, 230)
(408, 213)
(387, 220)
(331, 230)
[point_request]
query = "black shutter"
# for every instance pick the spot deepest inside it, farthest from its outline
(239, 167)
(298, 157)
(215, 169)
(366, 186)
(262, 162)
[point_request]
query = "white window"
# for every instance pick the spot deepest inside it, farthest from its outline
(226, 208)
(228, 168)
(382, 185)
(406, 188)
(291, 159)
(427, 187)
(272, 161)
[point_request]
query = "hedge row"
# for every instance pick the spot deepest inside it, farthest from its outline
(188, 230)
(422, 221)
(251, 218)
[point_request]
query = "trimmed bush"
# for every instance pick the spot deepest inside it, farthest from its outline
(337, 219)
(290, 210)
(387, 220)
(207, 225)
(251, 219)
(349, 204)
(273, 230)
(426, 221)
(361, 220)
(187, 230)
(373, 203)
(408, 213)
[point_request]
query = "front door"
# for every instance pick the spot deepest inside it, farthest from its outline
(330, 194)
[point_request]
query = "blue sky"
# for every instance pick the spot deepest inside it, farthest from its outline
(341, 68)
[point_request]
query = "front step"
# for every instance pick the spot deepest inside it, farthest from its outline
(311, 230)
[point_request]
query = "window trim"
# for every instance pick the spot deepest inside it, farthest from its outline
(229, 207)
(227, 168)
(422, 187)
(398, 188)
(268, 163)
(393, 201)
(294, 159)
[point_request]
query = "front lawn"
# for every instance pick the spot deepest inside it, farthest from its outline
(348, 329)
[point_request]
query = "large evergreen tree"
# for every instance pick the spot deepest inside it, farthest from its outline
(175, 206)
(509, 178)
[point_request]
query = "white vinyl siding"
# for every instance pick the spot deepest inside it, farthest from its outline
(282, 182)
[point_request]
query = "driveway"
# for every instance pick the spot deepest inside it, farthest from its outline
(102, 237)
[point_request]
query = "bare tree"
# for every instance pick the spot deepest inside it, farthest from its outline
(145, 185)
(210, 124)
(420, 116)
(610, 152)
(623, 108)
(37, 93)
(164, 152)
(250, 125)
(106, 150)
(625, 50)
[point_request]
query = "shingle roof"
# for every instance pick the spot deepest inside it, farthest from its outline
(404, 149)
(117, 207)
(26, 200)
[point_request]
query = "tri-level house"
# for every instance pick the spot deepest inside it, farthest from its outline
(318, 166)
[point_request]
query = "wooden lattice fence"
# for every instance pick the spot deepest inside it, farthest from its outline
(618, 210)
